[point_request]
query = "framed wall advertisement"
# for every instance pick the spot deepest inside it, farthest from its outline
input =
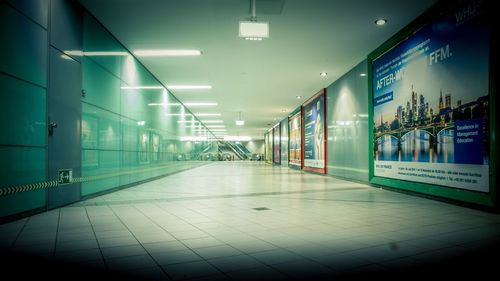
(268, 147)
(277, 144)
(314, 133)
(430, 104)
(295, 140)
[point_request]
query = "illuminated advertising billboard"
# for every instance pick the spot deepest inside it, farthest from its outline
(314, 133)
(295, 140)
(430, 104)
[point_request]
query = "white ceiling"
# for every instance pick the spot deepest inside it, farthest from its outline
(260, 79)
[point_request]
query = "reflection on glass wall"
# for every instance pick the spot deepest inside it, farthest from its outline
(133, 129)
(347, 118)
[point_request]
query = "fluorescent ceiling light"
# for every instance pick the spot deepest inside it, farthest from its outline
(141, 123)
(237, 138)
(191, 138)
(189, 87)
(188, 121)
(200, 104)
(94, 54)
(104, 54)
(166, 53)
(207, 114)
(254, 30)
(141, 87)
(164, 104)
(178, 114)
(240, 122)
(215, 126)
(186, 104)
(212, 121)
(66, 57)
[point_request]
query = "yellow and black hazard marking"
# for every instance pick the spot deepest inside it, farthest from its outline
(27, 187)
(5, 191)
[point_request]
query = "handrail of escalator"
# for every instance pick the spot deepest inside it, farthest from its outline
(237, 151)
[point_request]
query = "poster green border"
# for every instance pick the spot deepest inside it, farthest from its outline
(490, 199)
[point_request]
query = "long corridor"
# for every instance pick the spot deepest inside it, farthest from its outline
(252, 221)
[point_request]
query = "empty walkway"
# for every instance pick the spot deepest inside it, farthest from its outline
(252, 221)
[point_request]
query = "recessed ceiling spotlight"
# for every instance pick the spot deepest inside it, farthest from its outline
(283, 110)
(380, 22)
(298, 97)
(323, 74)
(362, 74)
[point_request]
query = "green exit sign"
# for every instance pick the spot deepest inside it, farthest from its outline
(65, 176)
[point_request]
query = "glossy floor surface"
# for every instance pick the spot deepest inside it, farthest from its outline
(252, 221)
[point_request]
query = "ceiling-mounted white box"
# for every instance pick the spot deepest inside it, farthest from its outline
(252, 29)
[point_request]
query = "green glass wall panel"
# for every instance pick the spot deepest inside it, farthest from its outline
(125, 138)
(89, 188)
(22, 112)
(22, 165)
(101, 47)
(134, 74)
(21, 202)
(23, 78)
(129, 159)
(23, 52)
(100, 128)
(36, 10)
(110, 130)
(128, 134)
(109, 161)
(134, 105)
(90, 160)
(108, 168)
(101, 87)
(347, 118)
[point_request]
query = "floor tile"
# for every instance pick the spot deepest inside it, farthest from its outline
(190, 270)
(200, 224)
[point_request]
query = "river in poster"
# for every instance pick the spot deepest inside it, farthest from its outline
(314, 145)
(430, 104)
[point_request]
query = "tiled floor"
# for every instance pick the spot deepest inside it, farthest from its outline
(201, 224)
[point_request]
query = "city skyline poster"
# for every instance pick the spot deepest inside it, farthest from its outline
(430, 104)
